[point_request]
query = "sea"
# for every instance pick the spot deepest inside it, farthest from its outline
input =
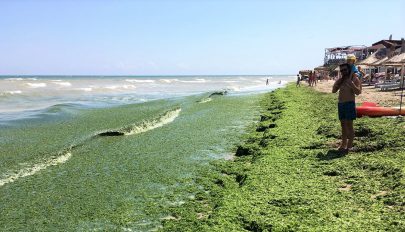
(102, 153)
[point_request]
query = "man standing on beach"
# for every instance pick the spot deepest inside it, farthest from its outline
(348, 85)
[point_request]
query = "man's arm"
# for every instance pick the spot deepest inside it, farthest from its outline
(356, 85)
(337, 85)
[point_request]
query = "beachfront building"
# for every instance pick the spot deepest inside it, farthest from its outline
(337, 55)
(393, 46)
(378, 60)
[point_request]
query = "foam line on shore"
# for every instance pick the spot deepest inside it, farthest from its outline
(205, 100)
(29, 171)
(144, 126)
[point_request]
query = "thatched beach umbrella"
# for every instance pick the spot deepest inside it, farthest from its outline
(398, 60)
(380, 62)
(369, 60)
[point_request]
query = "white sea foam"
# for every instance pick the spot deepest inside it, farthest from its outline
(197, 80)
(29, 171)
(20, 79)
(168, 80)
(128, 86)
(205, 100)
(139, 81)
(88, 89)
(121, 87)
(233, 88)
(65, 84)
(36, 85)
(168, 117)
(11, 92)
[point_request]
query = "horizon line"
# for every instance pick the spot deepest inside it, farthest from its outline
(122, 75)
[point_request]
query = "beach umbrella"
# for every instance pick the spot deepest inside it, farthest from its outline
(398, 60)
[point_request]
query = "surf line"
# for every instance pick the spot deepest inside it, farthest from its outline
(144, 126)
(29, 171)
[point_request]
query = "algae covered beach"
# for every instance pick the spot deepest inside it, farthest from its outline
(196, 116)
(288, 176)
(72, 167)
(269, 164)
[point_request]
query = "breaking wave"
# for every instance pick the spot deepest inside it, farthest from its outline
(144, 126)
(29, 171)
(140, 81)
(7, 93)
(36, 85)
(208, 99)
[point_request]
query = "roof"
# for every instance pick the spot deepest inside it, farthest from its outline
(319, 68)
(347, 49)
(376, 47)
(376, 56)
(370, 59)
(397, 60)
(389, 43)
(379, 62)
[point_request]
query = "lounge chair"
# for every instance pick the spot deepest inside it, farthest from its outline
(390, 86)
(388, 82)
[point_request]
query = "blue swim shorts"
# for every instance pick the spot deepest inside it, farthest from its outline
(347, 110)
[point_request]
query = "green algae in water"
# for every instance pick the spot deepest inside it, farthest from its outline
(117, 182)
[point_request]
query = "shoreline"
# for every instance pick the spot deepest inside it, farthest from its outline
(287, 174)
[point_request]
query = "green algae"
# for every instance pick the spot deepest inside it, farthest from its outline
(118, 183)
(289, 177)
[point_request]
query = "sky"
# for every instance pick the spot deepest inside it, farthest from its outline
(186, 37)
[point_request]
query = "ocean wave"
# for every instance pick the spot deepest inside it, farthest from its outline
(230, 81)
(7, 93)
(139, 81)
(86, 89)
(120, 87)
(168, 80)
(36, 85)
(65, 84)
(197, 80)
(146, 125)
(20, 79)
(29, 171)
(205, 100)
(233, 88)
(66, 153)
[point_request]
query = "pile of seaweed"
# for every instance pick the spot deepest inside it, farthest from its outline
(287, 174)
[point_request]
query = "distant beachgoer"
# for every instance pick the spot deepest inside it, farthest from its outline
(298, 80)
(312, 78)
(348, 87)
(315, 78)
(267, 81)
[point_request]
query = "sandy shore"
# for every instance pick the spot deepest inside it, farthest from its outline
(370, 94)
